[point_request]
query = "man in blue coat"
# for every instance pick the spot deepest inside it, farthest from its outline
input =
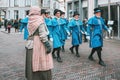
(64, 29)
(76, 27)
(95, 26)
(48, 22)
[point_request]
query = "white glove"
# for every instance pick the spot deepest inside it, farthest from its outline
(88, 37)
(51, 39)
(68, 33)
(82, 32)
(85, 33)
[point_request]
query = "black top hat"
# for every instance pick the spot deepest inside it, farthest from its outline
(75, 13)
(96, 10)
(57, 10)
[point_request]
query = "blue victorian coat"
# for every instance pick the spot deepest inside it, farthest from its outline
(95, 27)
(76, 27)
(24, 23)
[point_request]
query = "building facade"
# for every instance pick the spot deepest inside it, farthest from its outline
(15, 9)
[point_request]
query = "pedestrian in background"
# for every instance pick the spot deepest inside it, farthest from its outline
(38, 54)
(76, 27)
(85, 24)
(1, 23)
(16, 25)
(9, 26)
(5, 24)
(95, 26)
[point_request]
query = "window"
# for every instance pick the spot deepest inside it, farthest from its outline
(16, 14)
(27, 3)
(16, 3)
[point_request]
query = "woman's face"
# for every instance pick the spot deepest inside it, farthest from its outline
(57, 14)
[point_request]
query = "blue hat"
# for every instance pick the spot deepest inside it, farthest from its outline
(96, 10)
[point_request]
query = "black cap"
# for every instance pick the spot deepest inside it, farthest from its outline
(75, 13)
(96, 10)
(57, 10)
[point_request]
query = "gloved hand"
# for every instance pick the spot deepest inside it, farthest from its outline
(82, 32)
(88, 37)
(51, 39)
(47, 47)
(109, 31)
(86, 33)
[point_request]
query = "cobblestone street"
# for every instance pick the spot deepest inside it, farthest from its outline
(12, 61)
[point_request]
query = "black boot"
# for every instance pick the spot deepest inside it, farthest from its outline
(58, 55)
(91, 58)
(101, 62)
(63, 49)
(77, 52)
(53, 54)
(71, 49)
(91, 55)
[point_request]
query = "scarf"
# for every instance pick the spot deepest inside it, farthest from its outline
(34, 20)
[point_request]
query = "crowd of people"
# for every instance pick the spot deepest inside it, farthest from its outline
(40, 28)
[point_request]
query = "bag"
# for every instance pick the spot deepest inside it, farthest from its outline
(29, 43)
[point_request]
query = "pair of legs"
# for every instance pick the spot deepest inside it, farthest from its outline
(98, 50)
(57, 50)
(76, 48)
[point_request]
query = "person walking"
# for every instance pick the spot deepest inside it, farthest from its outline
(96, 25)
(38, 51)
(56, 34)
(48, 22)
(64, 30)
(24, 25)
(76, 27)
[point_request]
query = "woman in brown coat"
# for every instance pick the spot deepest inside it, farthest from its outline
(38, 54)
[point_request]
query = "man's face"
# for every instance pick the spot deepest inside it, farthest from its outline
(98, 14)
(57, 14)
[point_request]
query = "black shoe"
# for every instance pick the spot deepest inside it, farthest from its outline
(54, 56)
(91, 58)
(59, 59)
(102, 63)
(71, 49)
(78, 55)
